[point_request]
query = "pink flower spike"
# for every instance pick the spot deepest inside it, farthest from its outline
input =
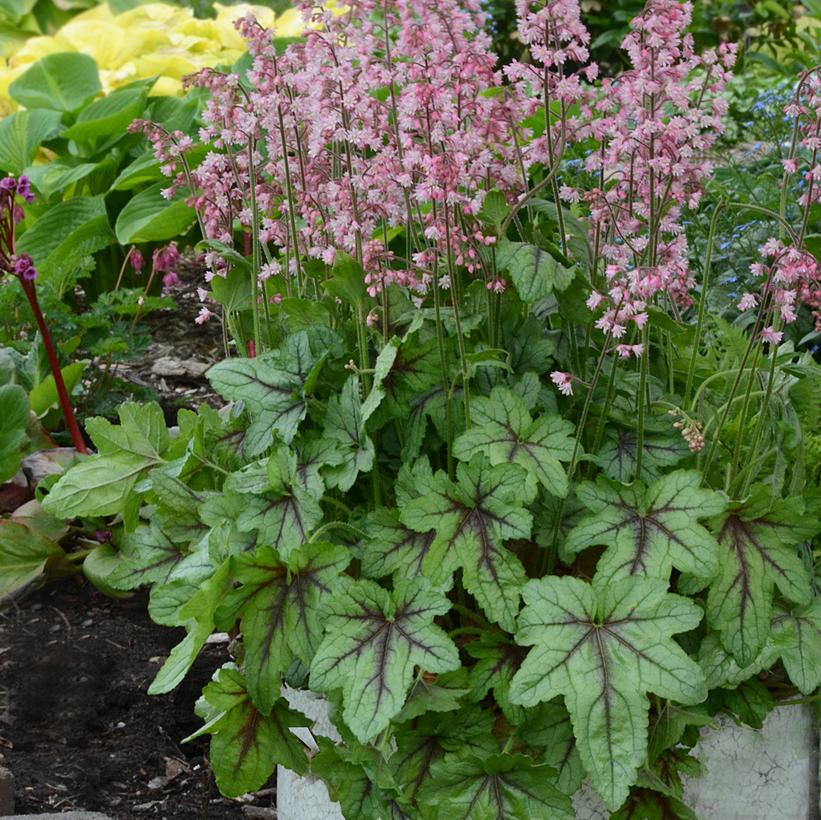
(746, 302)
(563, 381)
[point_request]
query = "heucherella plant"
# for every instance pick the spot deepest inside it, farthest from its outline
(491, 480)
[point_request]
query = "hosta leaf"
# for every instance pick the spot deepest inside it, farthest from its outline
(506, 433)
(603, 648)
(284, 515)
(374, 640)
(22, 133)
(246, 745)
(798, 637)
(345, 425)
(279, 607)
(23, 555)
(617, 456)
(391, 547)
(648, 530)
(467, 787)
(759, 549)
(61, 81)
(534, 272)
(472, 518)
(271, 386)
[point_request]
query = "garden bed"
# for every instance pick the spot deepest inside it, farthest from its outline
(77, 728)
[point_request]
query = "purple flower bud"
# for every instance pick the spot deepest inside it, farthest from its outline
(137, 260)
(24, 189)
(8, 184)
(18, 214)
(24, 268)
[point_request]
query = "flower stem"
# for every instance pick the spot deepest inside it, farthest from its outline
(51, 352)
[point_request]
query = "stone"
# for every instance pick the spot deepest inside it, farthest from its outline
(6, 792)
(66, 815)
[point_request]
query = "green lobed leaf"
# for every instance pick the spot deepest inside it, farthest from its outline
(271, 387)
(246, 745)
(617, 456)
(503, 429)
(759, 549)
(374, 639)
(535, 273)
(548, 727)
(466, 787)
(345, 424)
(473, 517)
(603, 647)
(497, 661)
(278, 604)
(797, 634)
(648, 530)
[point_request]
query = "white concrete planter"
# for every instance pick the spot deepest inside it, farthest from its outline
(770, 774)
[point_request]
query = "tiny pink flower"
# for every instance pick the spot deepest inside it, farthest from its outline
(771, 335)
(563, 381)
(203, 316)
(746, 302)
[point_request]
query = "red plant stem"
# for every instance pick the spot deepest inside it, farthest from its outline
(51, 352)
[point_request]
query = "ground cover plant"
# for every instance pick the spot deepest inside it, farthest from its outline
(491, 477)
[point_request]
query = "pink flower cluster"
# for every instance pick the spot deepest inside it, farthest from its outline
(653, 126)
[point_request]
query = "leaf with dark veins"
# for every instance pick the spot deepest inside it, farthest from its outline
(617, 456)
(272, 388)
(648, 530)
(278, 604)
(797, 633)
(497, 661)
(504, 430)
(759, 549)
(374, 639)
(391, 547)
(473, 517)
(496, 787)
(603, 647)
(246, 745)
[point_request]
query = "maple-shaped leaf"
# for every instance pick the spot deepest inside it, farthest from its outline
(246, 745)
(466, 787)
(760, 548)
(617, 455)
(272, 387)
(721, 668)
(391, 547)
(473, 517)
(648, 530)
(497, 661)
(415, 370)
(373, 640)
(278, 603)
(275, 504)
(345, 425)
(603, 647)
(419, 747)
(797, 634)
(547, 727)
(503, 429)
(350, 784)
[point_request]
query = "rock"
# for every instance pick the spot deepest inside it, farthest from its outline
(166, 366)
(47, 462)
(6, 792)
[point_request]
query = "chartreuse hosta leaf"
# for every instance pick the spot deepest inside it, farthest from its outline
(648, 530)
(373, 642)
(603, 647)
(464, 786)
(760, 548)
(504, 430)
(275, 504)
(272, 388)
(472, 518)
(101, 484)
(246, 745)
(278, 604)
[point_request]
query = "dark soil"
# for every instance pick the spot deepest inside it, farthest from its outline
(77, 728)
